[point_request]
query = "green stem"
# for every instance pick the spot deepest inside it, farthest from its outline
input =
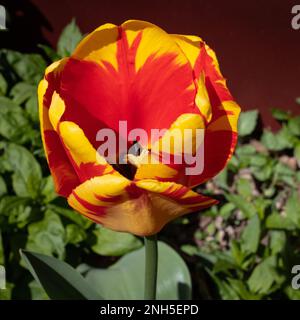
(150, 267)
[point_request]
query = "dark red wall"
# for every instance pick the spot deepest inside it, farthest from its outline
(258, 50)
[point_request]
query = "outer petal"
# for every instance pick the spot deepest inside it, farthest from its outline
(221, 113)
(64, 176)
(141, 208)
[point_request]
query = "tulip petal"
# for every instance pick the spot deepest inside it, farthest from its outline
(221, 113)
(64, 176)
(141, 208)
(85, 159)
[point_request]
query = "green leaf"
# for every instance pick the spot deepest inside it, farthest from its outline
(280, 114)
(37, 292)
(17, 210)
(21, 92)
(247, 122)
(29, 67)
(47, 236)
(277, 241)
(264, 276)
(69, 39)
(31, 108)
(125, 279)
(47, 189)
(251, 236)
(3, 85)
(297, 153)
(241, 203)
(50, 52)
(294, 125)
(59, 280)
(13, 122)
(292, 208)
(277, 221)
(27, 175)
(277, 142)
(74, 234)
(244, 188)
(71, 215)
(112, 243)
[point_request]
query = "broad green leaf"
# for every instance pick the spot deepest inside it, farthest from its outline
(278, 221)
(240, 288)
(251, 236)
(244, 188)
(74, 234)
(277, 241)
(13, 122)
(31, 108)
(264, 276)
(281, 115)
(241, 203)
(71, 215)
(112, 243)
(294, 125)
(59, 280)
(47, 236)
(69, 39)
(226, 210)
(263, 173)
(47, 189)
(292, 208)
(17, 210)
(247, 122)
(225, 290)
(125, 279)
(27, 174)
(277, 141)
(21, 92)
(37, 292)
(29, 67)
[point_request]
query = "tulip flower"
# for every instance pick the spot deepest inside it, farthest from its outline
(140, 74)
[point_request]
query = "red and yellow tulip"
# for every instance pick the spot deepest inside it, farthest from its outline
(139, 73)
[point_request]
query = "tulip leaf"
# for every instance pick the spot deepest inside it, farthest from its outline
(112, 243)
(247, 122)
(59, 280)
(69, 39)
(27, 174)
(125, 279)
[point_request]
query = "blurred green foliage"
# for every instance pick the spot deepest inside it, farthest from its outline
(248, 244)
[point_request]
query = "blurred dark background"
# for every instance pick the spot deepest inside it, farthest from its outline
(258, 50)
